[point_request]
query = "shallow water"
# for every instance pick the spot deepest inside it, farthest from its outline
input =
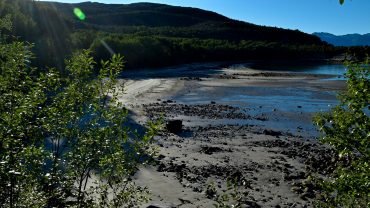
(328, 69)
(288, 108)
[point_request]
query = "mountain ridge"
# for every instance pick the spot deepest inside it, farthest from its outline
(353, 39)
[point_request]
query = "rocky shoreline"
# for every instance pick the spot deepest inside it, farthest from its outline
(220, 140)
(275, 164)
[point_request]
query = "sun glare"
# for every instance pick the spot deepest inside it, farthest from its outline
(79, 13)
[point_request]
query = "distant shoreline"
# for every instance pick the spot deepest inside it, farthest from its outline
(223, 64)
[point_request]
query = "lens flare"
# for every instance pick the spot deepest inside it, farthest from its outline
(106, 46)
(79, 13)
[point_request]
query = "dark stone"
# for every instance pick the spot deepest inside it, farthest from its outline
(158, 206)
(210, 150)
(252, 204)
(174, 126)
(161, 157)
(210, 193)
(184, 201)
(272, 132)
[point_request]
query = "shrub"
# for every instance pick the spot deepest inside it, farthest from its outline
(347, 128)
(64, 142)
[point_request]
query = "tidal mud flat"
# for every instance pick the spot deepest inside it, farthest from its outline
(252, 125)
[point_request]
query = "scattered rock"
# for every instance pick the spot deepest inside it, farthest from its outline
(184, 201)
(252, 204)
(212, 111)
(272, 133)
(210, 150)
(174, 126)
(158, 206)
(219, 139)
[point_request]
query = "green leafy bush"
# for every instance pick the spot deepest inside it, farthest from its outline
(64, 142)
(347, 128)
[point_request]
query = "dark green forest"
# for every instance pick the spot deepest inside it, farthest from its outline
(153, 35)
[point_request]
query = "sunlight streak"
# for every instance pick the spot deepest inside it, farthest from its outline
(107, 47)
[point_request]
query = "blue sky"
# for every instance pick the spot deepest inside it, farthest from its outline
(306, 15)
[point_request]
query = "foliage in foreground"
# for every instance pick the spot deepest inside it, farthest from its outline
(347, 128)
(64, 142)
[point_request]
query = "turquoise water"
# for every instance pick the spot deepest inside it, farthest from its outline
(325, 69)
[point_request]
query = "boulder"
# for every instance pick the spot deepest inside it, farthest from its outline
(272, 133)
(174, 126)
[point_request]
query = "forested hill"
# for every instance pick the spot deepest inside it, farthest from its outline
(140, 14)
(160, 19)
(152, 35)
